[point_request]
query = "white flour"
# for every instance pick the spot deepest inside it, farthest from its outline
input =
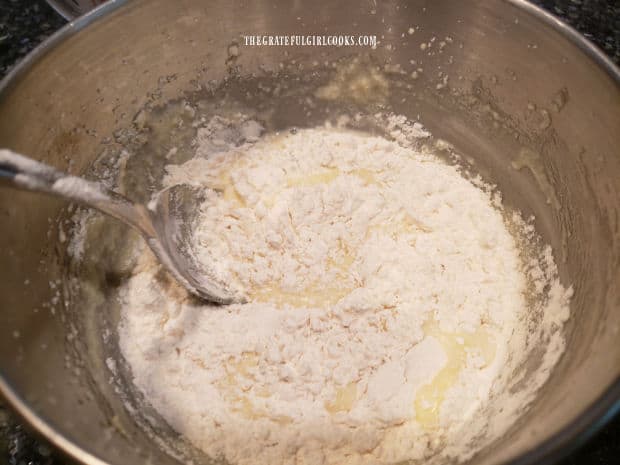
(385, 295)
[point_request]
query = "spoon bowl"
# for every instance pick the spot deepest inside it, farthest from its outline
(172, 215)
(165, 224)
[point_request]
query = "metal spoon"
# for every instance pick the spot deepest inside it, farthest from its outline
(164, 224)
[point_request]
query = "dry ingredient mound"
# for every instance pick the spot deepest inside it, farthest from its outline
(385, 295)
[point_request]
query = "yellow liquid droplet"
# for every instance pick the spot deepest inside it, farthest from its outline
(231, 194)
(223, 183)
(366, 175)
(345, 398)
(228, 189)
(312, 296)
(323, 177)
(429, 397)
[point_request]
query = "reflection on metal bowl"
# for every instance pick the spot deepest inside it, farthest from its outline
(520, 83)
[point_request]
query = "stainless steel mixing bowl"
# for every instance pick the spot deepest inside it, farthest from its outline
(71, 9)
(519, 82)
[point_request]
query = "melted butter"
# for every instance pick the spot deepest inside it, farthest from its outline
(342, 263)
(329, 174)
(410, 224)
(366, 175)
(343, 259)
(243, 365)
(269, 201)
(326, 176)
(229, 192)
(355, 81)
(283, 420)
(241, 404)
(240, 366)
(313, 296)
(246, 408)
(323, 177)
(404, 224)
(345, 398)
(430, 396)
(224, 184)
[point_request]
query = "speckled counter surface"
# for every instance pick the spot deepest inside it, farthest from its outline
(25, 23)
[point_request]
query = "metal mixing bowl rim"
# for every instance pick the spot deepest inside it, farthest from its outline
(550, 451)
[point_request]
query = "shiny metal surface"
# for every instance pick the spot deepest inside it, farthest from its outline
(158, 225)
(71, 9)
(518, 80)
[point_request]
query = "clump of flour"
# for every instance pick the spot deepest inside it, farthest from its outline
(385, 295)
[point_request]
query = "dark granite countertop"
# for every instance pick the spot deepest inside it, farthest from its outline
(25, 23)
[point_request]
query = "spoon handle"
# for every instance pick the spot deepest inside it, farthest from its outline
(27, 174)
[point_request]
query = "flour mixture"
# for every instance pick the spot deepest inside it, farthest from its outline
(385, 295)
